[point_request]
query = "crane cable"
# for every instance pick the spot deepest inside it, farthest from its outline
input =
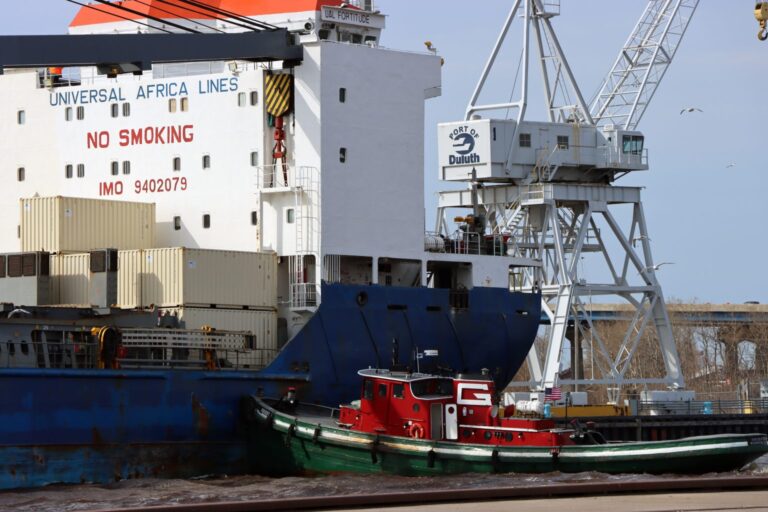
(229, 14)
(180, 17)
(153, 18)
(117, 15)
(202, 13)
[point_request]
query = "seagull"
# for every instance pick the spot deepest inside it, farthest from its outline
(690, 109)
(730, 165)
(639, 239)
(657, 266)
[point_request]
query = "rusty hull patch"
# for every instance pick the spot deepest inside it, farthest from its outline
(201, 417)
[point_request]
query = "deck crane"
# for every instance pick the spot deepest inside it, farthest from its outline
(761, 14)
(548, 187)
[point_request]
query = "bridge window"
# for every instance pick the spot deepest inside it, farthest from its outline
(525, 140)
(563, 142)
(126, 167)
(254, 98)
(176, 163)
(80, 170)
(80, 113)
(172, 105)
(177, 223)
(207, 221)
(126, 109)
(20, 174)
(68, 171)
(115, 109)
(115, 168)
(206, 161)
(68, 114)
(21, 117)
(184, 104)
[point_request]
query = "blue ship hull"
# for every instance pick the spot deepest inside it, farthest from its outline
(78, 426)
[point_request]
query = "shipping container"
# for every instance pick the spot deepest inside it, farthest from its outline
(261, 325)
(72, 224)
(70, 278)
(197, 277)
(25, 279)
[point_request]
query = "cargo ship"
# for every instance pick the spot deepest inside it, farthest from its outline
(184, 230)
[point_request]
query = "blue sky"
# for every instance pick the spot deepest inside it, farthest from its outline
(707, 219)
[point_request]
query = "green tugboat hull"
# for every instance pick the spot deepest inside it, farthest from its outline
(286, 445)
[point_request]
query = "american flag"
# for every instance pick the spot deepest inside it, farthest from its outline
(553, 394)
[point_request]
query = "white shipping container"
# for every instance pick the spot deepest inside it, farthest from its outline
(196, 277)
(70, 274)
(72, 224)
(261, 324)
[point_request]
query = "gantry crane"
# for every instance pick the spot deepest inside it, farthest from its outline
(548, 187)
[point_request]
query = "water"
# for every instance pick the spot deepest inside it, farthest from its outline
(149, 492)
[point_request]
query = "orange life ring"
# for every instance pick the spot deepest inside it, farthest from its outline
(416, 431)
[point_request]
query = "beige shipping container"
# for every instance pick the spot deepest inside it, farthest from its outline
(197, 277)
(73, 224)
(70, 274)
(261, 324)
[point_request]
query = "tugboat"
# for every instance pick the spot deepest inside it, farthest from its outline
(416, 424)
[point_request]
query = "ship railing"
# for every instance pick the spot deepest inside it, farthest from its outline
(693, 407)
(464, 242)
(613, 158)
(68, 353)
(303, 295)
(286, 176)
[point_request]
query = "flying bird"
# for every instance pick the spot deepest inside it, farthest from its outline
(639, 239)
(690, 109)
(730, 165)
(658, 266)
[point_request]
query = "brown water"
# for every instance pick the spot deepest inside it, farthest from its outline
(149, 492)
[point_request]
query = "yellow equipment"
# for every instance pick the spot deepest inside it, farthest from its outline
(761, 14)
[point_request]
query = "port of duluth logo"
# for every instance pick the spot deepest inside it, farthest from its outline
(464, 141)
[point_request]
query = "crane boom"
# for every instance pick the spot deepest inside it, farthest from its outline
(635, 76)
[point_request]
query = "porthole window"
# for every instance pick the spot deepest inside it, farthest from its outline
(20, 174)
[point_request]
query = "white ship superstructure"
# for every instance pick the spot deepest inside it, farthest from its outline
(340, 198)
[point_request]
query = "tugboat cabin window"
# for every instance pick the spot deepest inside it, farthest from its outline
(397, 390)
(383, 390)
(368, 390)
(632, 144)
(432, 388)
